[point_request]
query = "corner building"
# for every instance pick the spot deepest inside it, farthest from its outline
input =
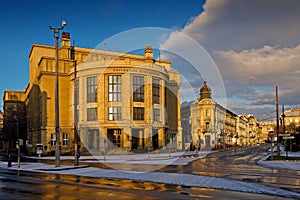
(128, 103)
(212, 125)
(114, 101)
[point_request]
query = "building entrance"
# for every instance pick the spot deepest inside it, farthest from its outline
(115, 137)
(155, 138)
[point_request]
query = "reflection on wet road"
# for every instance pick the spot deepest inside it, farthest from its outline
(241, 165)
(26, 185)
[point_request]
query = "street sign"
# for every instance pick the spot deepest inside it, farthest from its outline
(288, 137)
(271, 134)
(284, 135)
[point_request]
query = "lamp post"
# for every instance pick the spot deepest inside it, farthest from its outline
(57, 129)
(17, 142)
(15, 109)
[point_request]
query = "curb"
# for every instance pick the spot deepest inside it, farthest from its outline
(64, 168)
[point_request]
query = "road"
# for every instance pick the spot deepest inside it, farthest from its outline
(28, 185)
(241, 165)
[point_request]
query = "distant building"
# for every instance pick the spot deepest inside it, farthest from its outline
(242, 128)
(213, 126)
(254, 129)
(292, 126)
(113, 100)
(292, 120)
(186, 123)
(266, 127)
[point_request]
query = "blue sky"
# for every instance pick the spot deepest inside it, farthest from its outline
(254, 44)
(24, 23)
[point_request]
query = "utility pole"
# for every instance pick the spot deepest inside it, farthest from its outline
(283, 120)
(277, 124)
(57, 129)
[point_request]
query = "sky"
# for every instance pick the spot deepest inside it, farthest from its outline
(254, 46)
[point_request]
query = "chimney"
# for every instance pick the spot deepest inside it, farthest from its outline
(148, 52)
(65, 40)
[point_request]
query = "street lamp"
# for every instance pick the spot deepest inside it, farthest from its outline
(15, 109)
(57, 129)
(17, 142)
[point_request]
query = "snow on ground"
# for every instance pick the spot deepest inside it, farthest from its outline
(162, 177)
(282, 164)
(159, 177)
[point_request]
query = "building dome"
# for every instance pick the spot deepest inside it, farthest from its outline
(205, 92)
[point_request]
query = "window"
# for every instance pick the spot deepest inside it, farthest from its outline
(92, 114)
(65, 141)
(156, 115)
(138, 89)
(92, 89)
(114, 88)
(207, 125)
(138, 113)
(53, 139)
(155, 90)
(207, 113)
(114, 113)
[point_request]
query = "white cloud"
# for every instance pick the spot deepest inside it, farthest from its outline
(263, 69)
(256, 46)
(267, 65)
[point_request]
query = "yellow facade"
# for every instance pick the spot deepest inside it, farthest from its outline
(210, 122)
(292, 119)
(266, 127)
(213, 126)
(160, 125)
(125, 131)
